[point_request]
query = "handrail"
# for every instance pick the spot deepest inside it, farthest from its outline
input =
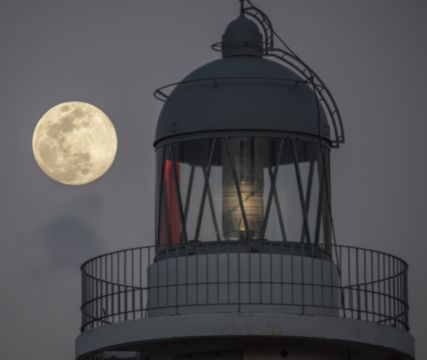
(345, 281)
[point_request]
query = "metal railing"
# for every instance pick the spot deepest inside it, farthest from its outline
(264, 276)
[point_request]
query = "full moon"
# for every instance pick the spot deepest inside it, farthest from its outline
(74, 143)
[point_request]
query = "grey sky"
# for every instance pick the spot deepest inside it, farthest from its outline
(371, 53)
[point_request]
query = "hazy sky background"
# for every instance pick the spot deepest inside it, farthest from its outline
(371, 53)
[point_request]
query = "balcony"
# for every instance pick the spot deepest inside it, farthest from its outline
(244, 277)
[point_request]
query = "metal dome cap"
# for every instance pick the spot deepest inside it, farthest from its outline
(241, 93)
(242, 37)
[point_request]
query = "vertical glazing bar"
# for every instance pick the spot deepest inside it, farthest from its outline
(160, 201)
(320, 201)
(301, 192)
(205, 190)
(189, 191)
(308, 196)
(178, 194)
(327, 218)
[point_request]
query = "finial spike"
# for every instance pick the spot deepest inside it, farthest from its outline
(242, 6)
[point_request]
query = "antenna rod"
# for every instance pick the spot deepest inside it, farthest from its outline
(242, 7)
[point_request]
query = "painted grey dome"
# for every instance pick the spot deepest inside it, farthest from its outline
(244, 93)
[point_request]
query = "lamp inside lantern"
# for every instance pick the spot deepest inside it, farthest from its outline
(243, 190)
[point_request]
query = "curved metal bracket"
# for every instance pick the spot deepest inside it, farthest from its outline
(323, 96)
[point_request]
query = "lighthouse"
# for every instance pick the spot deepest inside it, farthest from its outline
(245, 263)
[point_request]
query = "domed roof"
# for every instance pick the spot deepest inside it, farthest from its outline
(241, 93)
(243, 25)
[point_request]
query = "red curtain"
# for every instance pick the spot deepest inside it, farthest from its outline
(171, 222)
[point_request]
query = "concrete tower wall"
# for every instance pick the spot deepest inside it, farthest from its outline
(253, 283)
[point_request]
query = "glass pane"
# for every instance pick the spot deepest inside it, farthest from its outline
(222, 189)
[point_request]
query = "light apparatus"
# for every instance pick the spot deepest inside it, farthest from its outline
(246, 169)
